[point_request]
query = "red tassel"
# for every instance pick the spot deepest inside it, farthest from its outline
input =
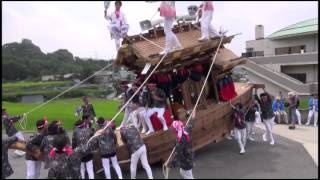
(67, 150)
(52, 152)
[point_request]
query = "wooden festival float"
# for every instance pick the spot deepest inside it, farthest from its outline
(213, 117)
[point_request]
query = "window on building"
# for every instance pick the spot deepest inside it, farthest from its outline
(283, 50)
(290, 50)
(253, 54)
(259, 53)
(249, 50)
(299, 76)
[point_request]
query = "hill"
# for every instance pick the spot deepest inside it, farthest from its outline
(26, 61)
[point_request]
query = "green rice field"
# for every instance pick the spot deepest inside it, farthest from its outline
(63, 110)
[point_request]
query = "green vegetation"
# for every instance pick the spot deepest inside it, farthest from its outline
(32, 84)
(26, 61)
(303, 104)
(62, 109)
(13, 92)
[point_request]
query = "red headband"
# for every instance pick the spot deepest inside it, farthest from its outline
(81, 125)
(45, 123)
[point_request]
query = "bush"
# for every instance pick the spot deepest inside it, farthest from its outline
(49, 94)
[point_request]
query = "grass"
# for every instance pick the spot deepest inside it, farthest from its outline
(29, 84)
(303, 104)
(62, 109)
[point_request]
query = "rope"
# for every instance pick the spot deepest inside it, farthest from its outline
(134, 94)
(166, 173)
(23, 122)
(25, 118)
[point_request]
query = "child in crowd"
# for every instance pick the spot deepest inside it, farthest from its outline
(47, 143)
(8, 123)
(33, 163)
(238, 117)
(6, 167)
(80, 137)
(60, 153)
(250, 119)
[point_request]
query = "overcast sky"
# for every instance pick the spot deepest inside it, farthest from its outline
(81, 28)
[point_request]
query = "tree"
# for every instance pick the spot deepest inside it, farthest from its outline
(14, 71)
(86, 72)
(26, 60)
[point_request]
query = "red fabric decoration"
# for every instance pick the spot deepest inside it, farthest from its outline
(156, 123)
(228, 90)
(183, 72)
(224, 90)
(164, 78)
(232, 89)
(197, 68)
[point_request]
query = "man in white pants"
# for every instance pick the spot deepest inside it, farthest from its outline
(250, 119)
(168, 12)
(257, 116)
(267, 114)
(206, 27)
(313, 110)
(159, 104)
(33, 164)
(8, 121)
(238, 117)
(107, 143)
(297, 110)
(131, 137)
(138, 116)
(80, 137)
(132, 105)
(183, 156)
(118, 26)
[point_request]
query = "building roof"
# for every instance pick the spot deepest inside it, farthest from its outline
(306, 27)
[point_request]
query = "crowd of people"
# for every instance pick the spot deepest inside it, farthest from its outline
(265, 109)
(65, 158)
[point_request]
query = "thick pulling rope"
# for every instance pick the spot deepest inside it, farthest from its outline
(128, 101)
(37, 107)
(165, 171)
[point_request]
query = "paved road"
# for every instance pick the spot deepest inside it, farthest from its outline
(287, 159)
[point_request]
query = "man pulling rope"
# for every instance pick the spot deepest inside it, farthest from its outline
(165, 166)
